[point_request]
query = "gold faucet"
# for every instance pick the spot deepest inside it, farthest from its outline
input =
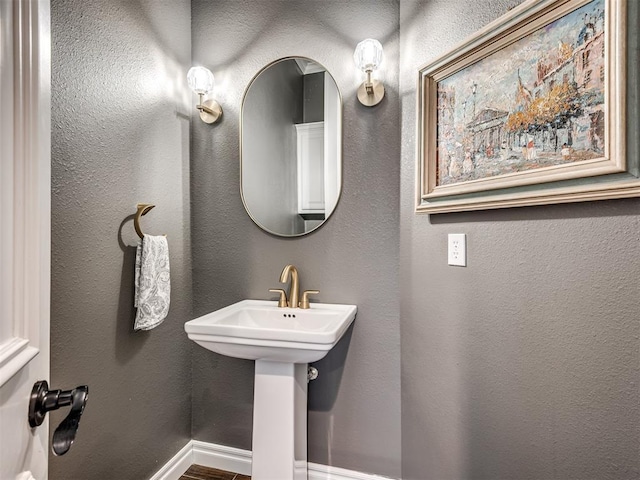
(292, 271)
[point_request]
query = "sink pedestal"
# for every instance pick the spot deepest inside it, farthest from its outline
(280, 421)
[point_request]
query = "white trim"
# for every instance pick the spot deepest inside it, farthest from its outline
(179, 464)
(14, 355)
(25, 229)
(25, 206)
(307, 66)
(239, 461)
(222, 457)
(326, 472)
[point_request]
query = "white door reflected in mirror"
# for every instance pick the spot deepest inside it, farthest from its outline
(290, 147)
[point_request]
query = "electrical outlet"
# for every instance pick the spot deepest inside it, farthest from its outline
(457, 249)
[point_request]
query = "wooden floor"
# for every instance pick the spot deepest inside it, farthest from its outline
(196, 472)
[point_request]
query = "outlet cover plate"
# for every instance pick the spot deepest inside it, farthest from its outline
(457, 251)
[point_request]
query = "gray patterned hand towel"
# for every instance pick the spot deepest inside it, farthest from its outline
(152, 282)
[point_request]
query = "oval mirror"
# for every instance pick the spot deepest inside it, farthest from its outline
(291, 147)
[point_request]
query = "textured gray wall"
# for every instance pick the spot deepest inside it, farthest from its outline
(354, 406)
(120, 135)
(522, 365)
(313, 97)
(525, 364)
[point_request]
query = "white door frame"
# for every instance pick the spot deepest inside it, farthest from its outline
(25, 225)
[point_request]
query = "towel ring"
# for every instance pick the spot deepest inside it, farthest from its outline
(143, 209)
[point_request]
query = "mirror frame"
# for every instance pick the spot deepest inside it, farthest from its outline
(341, 142)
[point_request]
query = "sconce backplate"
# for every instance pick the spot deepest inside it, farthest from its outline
(214, 113)
(370, 100)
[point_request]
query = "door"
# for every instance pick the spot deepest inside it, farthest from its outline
(25, 172)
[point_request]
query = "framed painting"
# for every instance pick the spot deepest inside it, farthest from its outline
(529, 111)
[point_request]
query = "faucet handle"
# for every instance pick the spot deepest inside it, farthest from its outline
(304, 303)
(282, 303)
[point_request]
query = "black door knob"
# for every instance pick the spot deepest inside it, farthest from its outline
(44, 400)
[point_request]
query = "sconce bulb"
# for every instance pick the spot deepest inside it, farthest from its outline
(368, 55)
(200, 80)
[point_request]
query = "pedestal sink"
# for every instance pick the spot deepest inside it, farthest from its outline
(282, 341)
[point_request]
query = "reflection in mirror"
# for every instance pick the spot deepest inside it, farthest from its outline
(290, 147)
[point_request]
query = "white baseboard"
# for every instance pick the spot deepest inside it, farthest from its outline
(317, 471)
(224, 458)
(239, 461)
(179, 464)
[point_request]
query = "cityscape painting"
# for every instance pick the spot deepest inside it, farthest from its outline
(538, 102)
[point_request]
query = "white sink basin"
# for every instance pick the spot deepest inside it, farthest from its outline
(260, 330)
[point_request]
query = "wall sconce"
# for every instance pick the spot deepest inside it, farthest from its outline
(200, 80)
(368, 57)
